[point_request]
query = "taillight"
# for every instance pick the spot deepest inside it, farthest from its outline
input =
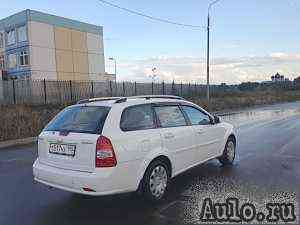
(105, 155)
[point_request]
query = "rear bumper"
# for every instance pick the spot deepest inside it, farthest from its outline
(104, 181)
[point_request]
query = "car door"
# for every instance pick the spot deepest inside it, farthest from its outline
(209, 136)
(137, 136)
(177, 136)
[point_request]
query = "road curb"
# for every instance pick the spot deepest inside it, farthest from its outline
(12, 143)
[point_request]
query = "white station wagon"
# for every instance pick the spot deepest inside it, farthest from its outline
(105, 146)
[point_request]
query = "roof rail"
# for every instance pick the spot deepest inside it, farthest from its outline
(159, 96)
(124, 99)
(97, 99)
(147, 97)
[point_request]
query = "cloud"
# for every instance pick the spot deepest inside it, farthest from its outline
(278, 55)
(228, 70)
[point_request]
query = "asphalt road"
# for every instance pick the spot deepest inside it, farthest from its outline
(267, 168)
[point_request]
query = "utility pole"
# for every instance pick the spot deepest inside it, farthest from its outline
(207, 54)
(207, 62)
(116, 68)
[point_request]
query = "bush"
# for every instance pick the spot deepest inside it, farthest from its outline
(20, 121)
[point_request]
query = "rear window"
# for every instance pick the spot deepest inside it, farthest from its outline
(80, 119)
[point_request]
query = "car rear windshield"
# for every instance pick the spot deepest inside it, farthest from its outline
(80, 119)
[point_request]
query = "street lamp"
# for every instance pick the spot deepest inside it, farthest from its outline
(113, 59)
(153, 75)
(207, 55)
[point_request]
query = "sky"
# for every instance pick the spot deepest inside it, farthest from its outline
(250, 39)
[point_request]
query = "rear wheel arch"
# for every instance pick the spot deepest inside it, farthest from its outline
(162, 158)
(145, 185)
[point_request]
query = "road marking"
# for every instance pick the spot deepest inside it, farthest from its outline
(287, 156)
(159, 212)
(10, 160)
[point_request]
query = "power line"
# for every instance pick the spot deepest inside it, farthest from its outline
(149, 16)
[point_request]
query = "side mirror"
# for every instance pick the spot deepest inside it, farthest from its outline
(216, 119)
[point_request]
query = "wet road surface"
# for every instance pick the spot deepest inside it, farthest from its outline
(267, 168)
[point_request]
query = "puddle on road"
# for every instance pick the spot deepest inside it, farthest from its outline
(263, 113)
(218, 190)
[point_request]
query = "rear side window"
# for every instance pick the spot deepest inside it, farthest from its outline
(196, 116)
(170, 116)
(138, 117)
(80, 119)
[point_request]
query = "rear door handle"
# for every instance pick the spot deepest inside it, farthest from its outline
(169, 136)
(200, 131)
(145, 145)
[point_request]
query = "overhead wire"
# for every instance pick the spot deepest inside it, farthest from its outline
(162, 20)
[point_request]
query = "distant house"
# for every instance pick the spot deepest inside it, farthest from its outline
(278, 78)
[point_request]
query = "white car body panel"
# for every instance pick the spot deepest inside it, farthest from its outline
(180, 143)
(185, 147)
(85, 151)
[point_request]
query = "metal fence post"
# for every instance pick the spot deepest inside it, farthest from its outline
(152, 88)
(135, 88)
(14, 91)
(163, 87)
(181, 88)
(110, 88)
(116, 91)
(124, 92)
(173, 87)
(45, 91)
(71, 92)
(59, 85)
(93, 95)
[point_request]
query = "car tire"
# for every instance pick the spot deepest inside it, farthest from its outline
(155, 181)
(229, 152)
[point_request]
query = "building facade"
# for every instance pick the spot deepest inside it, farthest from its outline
(37, 46)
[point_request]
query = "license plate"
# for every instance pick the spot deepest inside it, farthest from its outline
(62, 149)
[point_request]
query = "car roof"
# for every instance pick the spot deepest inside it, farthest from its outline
(124, 102)
(110, 102)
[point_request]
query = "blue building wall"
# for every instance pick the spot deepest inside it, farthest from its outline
(13, 23)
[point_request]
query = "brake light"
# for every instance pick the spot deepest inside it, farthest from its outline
(105, 155)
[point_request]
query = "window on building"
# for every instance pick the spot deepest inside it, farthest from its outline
(2, 62)
(11, 37)
(137, 118)
(1, 40)
(22, 34)
(24, 58)
(12, 61)
(170, 116)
